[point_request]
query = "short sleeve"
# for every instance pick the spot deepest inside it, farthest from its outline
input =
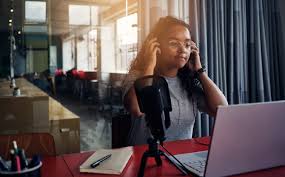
(129, 81)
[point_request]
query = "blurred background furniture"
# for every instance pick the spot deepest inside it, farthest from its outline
(115, 92)
(36, 112)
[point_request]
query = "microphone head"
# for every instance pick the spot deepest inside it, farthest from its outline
(153, 98)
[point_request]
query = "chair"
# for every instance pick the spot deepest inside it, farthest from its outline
(116, 92)
(33, 143)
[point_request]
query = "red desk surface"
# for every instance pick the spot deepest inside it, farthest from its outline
(61, 166)
(54, 167)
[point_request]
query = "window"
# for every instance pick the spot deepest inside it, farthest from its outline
(87, 51)
(83, 19)
(92, 63)
(35, 12)
(83, 15)
(127, 38)
(94, 15)
(79, 15)
(82, 52)
(68, 55)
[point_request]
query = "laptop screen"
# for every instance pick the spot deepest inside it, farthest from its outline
(247, 137)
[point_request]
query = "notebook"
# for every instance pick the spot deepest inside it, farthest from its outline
(113, 165)
(246, 137)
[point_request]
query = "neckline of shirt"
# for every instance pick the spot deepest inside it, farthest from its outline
(171, 79)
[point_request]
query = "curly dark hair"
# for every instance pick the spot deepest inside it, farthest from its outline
(160, 30)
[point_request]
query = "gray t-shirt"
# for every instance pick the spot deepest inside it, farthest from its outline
(182, 116)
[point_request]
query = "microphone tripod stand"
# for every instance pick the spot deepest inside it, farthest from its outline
(154, 99)
(154, 151)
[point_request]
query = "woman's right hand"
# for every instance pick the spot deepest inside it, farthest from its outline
(151, 51)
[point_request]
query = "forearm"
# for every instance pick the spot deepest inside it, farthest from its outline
(214, 96)
(130, 99)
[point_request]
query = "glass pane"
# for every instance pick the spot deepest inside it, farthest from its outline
(70, 50)
(94, 15)
(35, 11)
(68, 55)
(79, 15)
(127, 36)
(92, 50)
(82, 52)
(127, 31)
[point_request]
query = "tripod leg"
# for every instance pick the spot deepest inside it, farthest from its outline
(143, 163)
(158, 160)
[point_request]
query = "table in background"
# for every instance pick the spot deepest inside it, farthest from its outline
(35, 111)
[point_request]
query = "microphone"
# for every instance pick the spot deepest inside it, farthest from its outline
(153, 99)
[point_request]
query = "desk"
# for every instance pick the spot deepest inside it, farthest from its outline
(25, 113)
(64, 125)
(54, 167)
(72, 162)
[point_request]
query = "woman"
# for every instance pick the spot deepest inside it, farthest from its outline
(169, 51)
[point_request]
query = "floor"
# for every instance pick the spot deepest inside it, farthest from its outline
(95, 124)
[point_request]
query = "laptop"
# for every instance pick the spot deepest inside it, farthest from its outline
(246, 137)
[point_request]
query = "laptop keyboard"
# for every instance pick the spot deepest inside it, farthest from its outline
(198, 165)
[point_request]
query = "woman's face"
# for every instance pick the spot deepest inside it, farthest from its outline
(175, 48)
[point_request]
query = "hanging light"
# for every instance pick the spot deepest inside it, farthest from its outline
(11, 10)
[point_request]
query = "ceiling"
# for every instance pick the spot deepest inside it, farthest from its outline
(59, 12)
(97, 2)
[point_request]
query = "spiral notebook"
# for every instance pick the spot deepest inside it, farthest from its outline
(113, 165)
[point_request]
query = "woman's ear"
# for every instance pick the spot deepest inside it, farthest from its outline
(158, 53)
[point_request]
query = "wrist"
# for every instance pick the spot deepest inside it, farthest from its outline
(199, 72)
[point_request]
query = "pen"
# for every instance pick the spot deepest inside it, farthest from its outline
(23, 159)
(15, 147)
(18, 163)
(97, 162)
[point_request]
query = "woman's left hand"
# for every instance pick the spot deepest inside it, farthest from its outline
(194, 63)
